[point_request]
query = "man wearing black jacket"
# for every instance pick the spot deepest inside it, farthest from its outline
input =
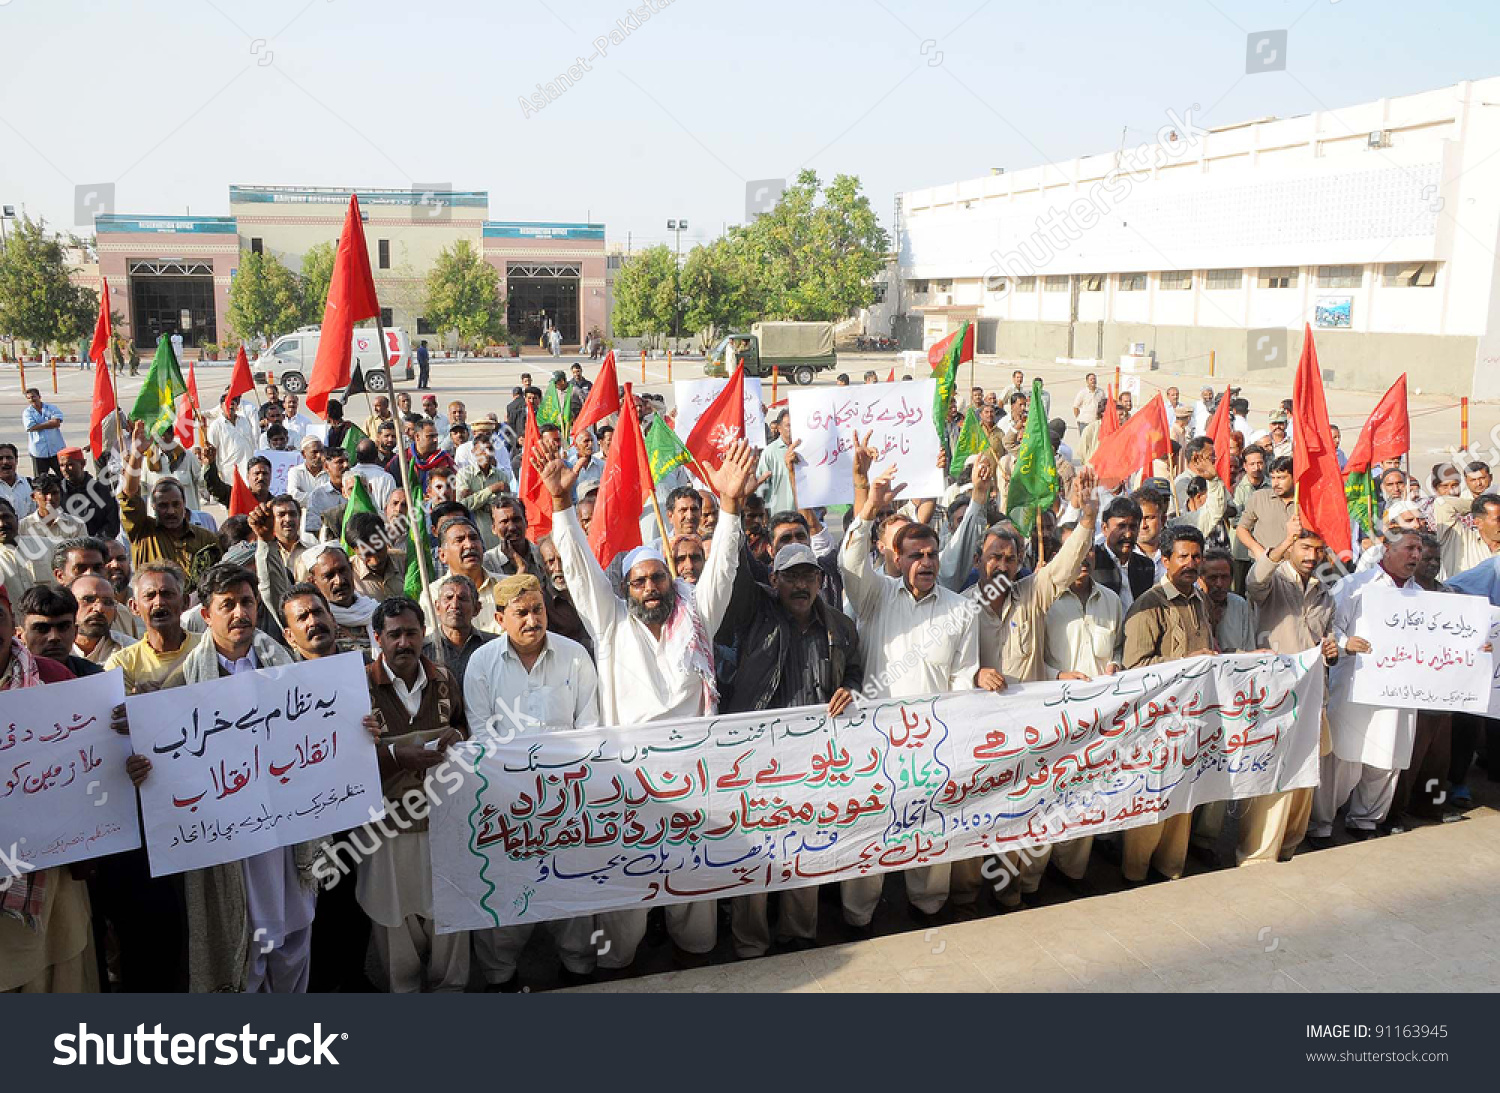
(794, 650)
(1117, 558)
(791, 527)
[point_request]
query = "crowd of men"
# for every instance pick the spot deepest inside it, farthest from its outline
(745, 601)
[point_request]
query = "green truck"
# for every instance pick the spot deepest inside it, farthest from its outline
(800, 350)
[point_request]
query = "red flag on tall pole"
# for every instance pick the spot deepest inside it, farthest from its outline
(624, 486)
(105, 402)
(241, 500)
(1315, 466)
(533, 491)
(1218, 432)
(351, 299)
(603, 400)
(721, 424)
(937, 355)
(241, 382)
(1386, 434)
(1134, 445)
(187, 410)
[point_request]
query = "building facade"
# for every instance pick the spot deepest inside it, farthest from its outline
(172, 274)
(1377, 224)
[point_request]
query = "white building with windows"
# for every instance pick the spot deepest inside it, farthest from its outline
(1377, 224)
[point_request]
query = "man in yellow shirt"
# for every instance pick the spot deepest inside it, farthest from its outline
(158, 596)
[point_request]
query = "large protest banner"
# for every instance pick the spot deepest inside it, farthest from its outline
(695, 396)
(556, 825)
(64, 793)
(1426, 651)
(254, 761)
(826, 420)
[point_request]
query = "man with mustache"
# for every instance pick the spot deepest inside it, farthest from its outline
(158, 596)
(329, 570)
(795, 650)
(168, 535)
(1118, 566)
(457, 605)
(96, 640)
(461, 550)
(1169, 622)
(911, 619)
(661, 640)
(527, 682)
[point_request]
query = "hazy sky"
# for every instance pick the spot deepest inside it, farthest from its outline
(173, 100)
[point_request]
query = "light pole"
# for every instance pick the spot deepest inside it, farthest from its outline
(7, 212)
(678, 226)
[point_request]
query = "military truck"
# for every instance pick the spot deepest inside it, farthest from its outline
(800, 350)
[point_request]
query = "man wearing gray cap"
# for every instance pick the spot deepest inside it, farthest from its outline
(795, 650)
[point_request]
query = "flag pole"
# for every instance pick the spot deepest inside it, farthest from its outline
(414, 508)
(1041, 548)
(661, 524)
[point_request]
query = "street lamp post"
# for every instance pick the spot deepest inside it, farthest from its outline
(678, 226)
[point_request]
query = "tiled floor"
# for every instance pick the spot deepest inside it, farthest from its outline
(1413, 912)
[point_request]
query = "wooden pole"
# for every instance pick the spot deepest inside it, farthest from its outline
(643, 364)
(21, 363)
(413, 504)
(661, 525)
(1041, 548)
(669, 366)
(1213, 360)
(54, 375)
(1464, 424)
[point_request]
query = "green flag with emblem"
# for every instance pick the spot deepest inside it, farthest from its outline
(1034, 482)
(156, 405)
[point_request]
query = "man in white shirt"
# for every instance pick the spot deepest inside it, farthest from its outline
(1371, 744)
(1202, 411)
(299, 423)
(1087, 402)
(524, 683)
(15, 488)
(234, 437)
(330, 494)
(901, 620)
(660, 663)
(308, 475)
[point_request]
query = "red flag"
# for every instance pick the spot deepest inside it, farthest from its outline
(187, 410)
(623, 487)
(533, 492)
(937, 355)
(1386, 434)
(892, 377)
(241, 501)
(351, 299)
(1218, 432)
(1109, 420)
(1315, 468)
(104, 390)
(241, 382)
(603, 400)
(721, 424)
(1133, 446)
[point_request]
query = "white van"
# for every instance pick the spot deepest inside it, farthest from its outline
(291, 356)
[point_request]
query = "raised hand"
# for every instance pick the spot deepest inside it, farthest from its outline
(1083, 494)
(864, 455)
(882, 495)
(790, 457)
(556, 475)
(735, 477)
(983, 477)
(262, 523)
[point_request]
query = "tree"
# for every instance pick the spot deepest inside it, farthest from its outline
(264, 298)
(646, 293)
(317, 271)
(717, 289)
(463, 295)
(39, 302)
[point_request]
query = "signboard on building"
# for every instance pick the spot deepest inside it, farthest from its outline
(1334, 312)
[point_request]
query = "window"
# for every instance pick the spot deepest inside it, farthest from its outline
(255, 245)
(424, 327)
(996, 284)
(385, 253)
(1132, 282)
(1340, 276)
(919, 287)
(1278, 277)
(1409, 274)
(880, 287)
(386, 318)
(1223, 278)
(1091, 282)
(942, 286)
(1176, 280)
(1053, 283)
(1025, 284)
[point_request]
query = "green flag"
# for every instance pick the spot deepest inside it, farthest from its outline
(352, 436)
(418, 540)
(971, 441)
(1359, 492)
(556, 408)
(1033, 483)
(947, 380)
(156, 405)
(664, 450)
(359, 501)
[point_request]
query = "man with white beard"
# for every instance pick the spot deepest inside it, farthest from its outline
(656, 654)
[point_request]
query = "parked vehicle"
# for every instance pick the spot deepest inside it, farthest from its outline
(291, 356)
(800, 350)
